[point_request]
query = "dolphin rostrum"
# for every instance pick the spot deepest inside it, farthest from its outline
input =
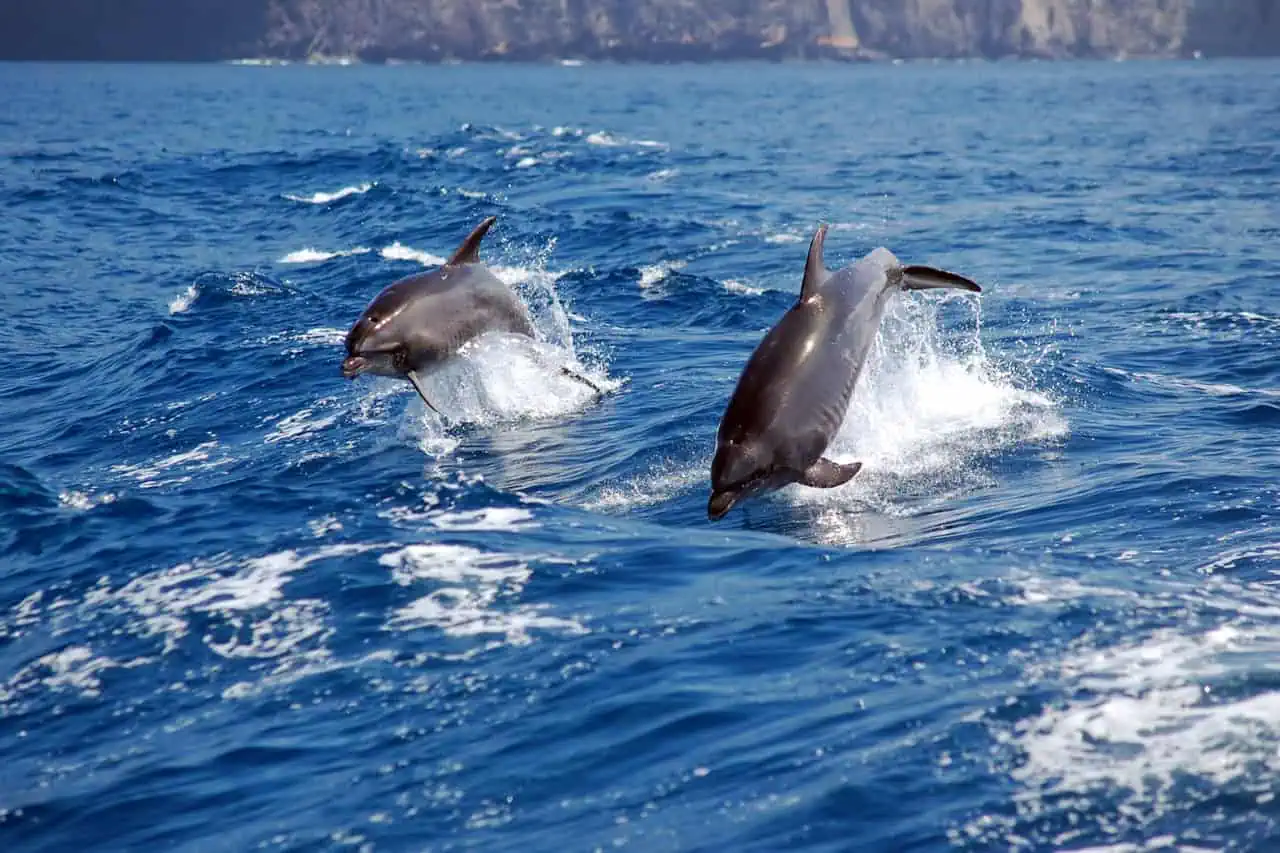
(417, 323)
(793, 393)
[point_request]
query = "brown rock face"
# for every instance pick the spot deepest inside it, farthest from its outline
(659, 30)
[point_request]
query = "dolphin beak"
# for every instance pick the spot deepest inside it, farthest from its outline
(720, 503)
(354, 365)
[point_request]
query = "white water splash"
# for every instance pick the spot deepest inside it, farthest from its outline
(184, 300)
(924, 409)
(336, 195)
(500, 377)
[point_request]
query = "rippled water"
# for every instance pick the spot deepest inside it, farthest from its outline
(245, 604)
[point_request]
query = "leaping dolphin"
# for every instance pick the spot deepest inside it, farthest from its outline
(417, 323)
(793, 393)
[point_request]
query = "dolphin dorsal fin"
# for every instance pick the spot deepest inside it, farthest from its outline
(815, 271)
(469, 251)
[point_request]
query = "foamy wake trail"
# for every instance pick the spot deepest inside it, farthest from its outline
(326, 198)
(925, 408)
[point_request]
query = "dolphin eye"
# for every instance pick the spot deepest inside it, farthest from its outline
(400, 358)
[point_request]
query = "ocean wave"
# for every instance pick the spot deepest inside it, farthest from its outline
(315, 256)
(329, 197)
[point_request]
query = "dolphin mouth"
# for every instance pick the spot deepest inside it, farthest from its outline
(720, 503)
(354, 365)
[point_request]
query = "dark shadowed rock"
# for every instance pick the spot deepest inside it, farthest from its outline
(653, 30)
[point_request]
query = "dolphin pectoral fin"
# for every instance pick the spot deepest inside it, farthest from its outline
(825, 474)
(417, 385)
(573, 374)
(469, 251)
(929, 278)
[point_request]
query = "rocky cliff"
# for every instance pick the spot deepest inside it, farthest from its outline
(657, 30)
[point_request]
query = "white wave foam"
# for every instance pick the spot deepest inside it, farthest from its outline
(1213, 389)
(1143, 719)
(663, 482)
(321, 336)
(336, 195)
(152, 475)
(527, 162)
(184, 300)
(322, 526)
(471, 592)
(1267, 553)
(925, 408)
(84, 501)
(314, 256)
(74, 668)
(734, 286)
(247, 284)
(303, 423)
(657, 273)
(397, 251)
(785, 237)
(491, 518)
(246, 615)
(250, 600)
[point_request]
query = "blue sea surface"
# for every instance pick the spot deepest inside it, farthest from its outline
(246, 604)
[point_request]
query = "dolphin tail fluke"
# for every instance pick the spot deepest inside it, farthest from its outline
(469, 251)
(929, 278)
(417, 385)
(825, 474)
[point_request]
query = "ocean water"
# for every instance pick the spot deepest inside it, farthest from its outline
(248, 605)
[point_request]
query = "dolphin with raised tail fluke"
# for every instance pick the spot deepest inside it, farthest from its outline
(794, 391)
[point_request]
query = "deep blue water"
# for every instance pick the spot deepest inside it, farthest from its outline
(248, 605)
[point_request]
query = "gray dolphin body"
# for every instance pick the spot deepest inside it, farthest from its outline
(419, 322)
(793, 393)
